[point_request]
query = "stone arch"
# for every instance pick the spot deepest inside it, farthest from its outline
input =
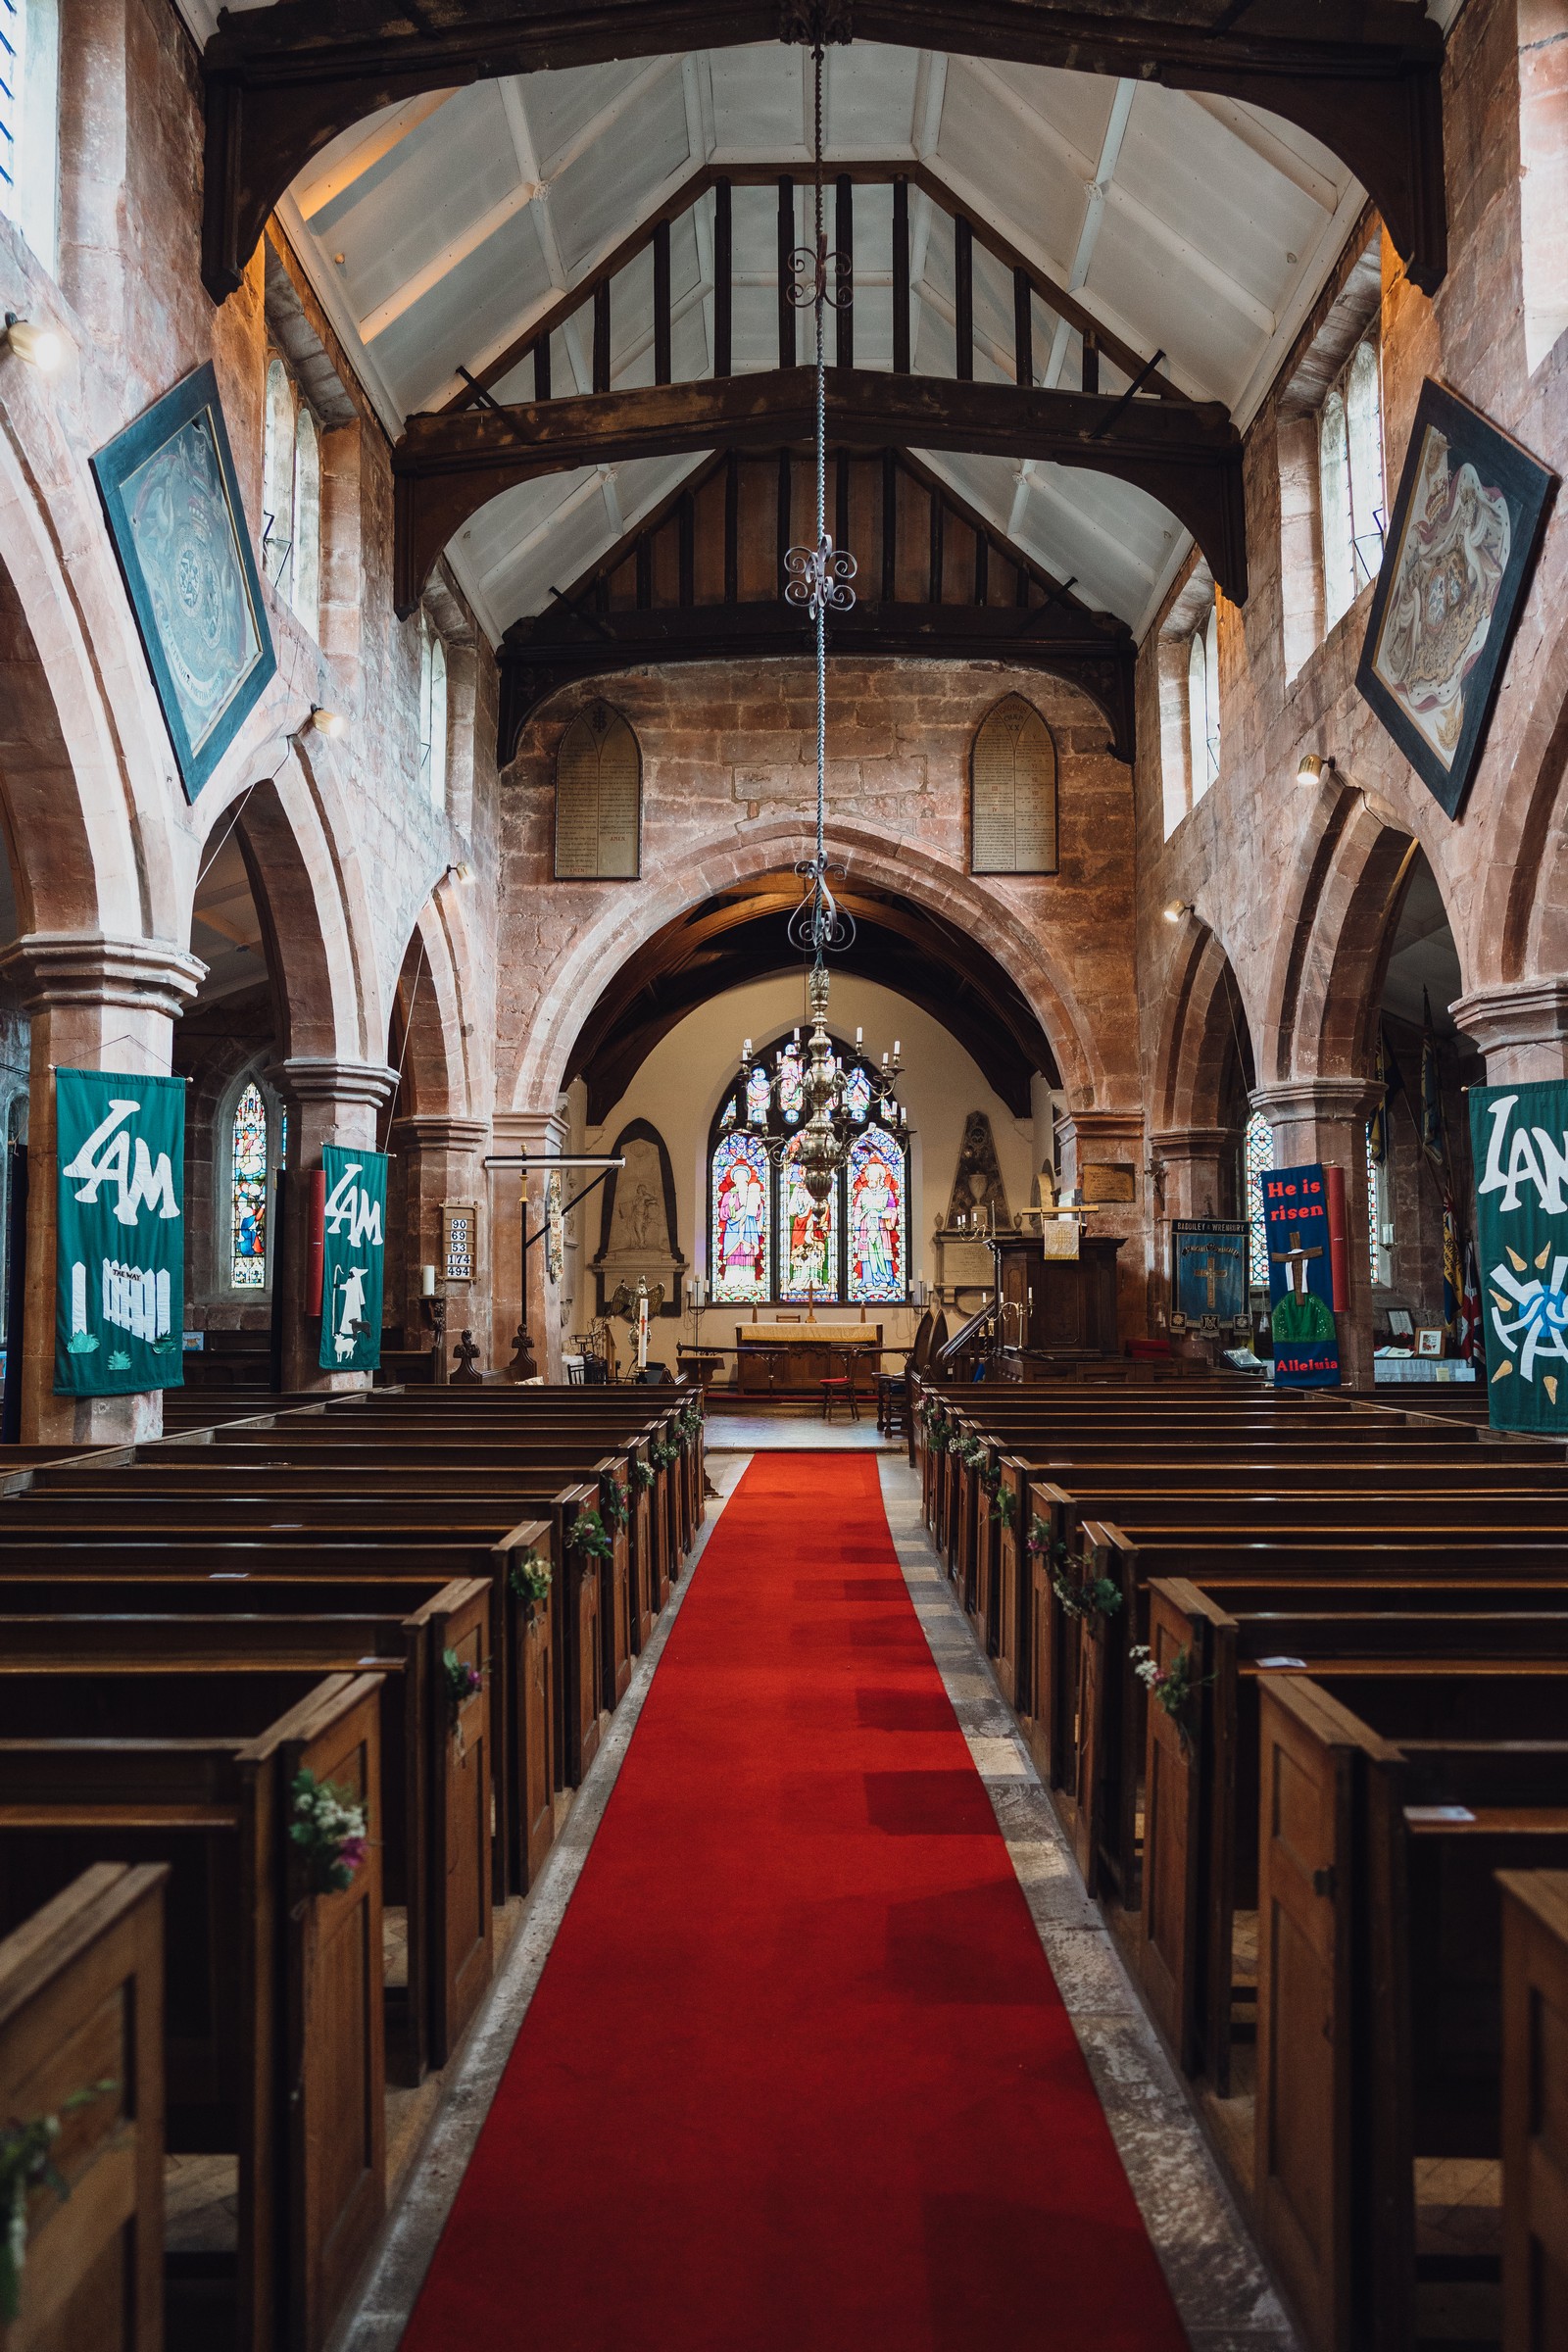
(1346, 953)
(1522, 926)
(1204, 1025)
(579, 971)
(84, 762)
(1315, 848)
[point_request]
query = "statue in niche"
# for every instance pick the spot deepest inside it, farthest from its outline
(638, 1225)
(979, 1197)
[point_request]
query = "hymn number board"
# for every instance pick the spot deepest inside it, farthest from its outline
(1013, 792)
(598, 800)
(460, 1224)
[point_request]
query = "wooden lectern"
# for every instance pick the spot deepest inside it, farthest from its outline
(1055, 1305)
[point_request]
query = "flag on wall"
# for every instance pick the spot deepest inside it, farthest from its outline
(1389, 1083)
(1470, 1306)
(1519, 1144)
(353, 1254)
(1433, 1135)
(120, 1233)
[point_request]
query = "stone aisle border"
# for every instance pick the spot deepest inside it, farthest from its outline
(1221, 2288)
(396, 2272)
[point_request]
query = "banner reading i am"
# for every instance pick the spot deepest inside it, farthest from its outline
(354, 1243)
(1301, 1278)
(120, 1242)
(1519, 1144)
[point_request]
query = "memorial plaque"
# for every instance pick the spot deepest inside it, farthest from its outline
(1013, 792)
(460, 1233)
(598, 800)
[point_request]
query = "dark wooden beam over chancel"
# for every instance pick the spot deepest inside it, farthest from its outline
(1365, 79)
(999, 604)
(1186, 455)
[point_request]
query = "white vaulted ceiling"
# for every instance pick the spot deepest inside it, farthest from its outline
(438, 231)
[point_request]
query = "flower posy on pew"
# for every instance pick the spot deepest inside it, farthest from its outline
(329, 1828)
(27, 2164)
(530, 1576)
(1169, 1686)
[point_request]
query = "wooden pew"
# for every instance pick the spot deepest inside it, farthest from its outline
(1535, 2101)
(81, 2004)
(436, 1761)
(92, 1769)
(1200, 1810)
(1389, 1800)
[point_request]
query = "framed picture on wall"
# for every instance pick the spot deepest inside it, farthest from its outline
(1461, 545)
(1429, 1339)
(171, 501)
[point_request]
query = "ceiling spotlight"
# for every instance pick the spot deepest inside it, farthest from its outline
(39, 346)
(1176, 910)
(1311, 766)
(330, 724)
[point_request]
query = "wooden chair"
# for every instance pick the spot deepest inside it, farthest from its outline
(839, 1389)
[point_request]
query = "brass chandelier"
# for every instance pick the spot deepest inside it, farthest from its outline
(818, 577)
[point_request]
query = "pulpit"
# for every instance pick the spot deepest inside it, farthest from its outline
(1057, 1306)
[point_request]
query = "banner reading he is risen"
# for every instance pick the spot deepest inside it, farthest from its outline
(354, 1246)
(120, 1247)
(1519, 1146)
(1301, 1278)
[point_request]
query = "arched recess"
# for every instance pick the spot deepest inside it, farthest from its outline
(575, 981)
(1522, 926)
(427, 1041)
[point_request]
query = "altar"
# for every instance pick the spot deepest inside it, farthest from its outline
(775, 1359)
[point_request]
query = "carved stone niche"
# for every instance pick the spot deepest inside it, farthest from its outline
(637, 1225)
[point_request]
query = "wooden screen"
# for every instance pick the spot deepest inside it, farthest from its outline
(1013, 792)
(598, 800)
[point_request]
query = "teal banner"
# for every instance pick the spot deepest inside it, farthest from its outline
(353, 1259)
(119, 1245)
(1519, 1142)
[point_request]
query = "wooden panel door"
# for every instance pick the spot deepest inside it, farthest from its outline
(1535, 2111)
(647, 1568)
(1302, 2177)
(1172, 1906)
(334, 2078)
(537, 1714)
(81, 2002)
(460, 1830)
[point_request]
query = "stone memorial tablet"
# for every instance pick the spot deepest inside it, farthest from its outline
(598, 799)
(1012, 798)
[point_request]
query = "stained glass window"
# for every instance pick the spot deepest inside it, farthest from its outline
(808, 1237)
(858, 1094)
(757, 1096)
(740, 1219)
(876, 1218)
(791, 1084)
(249, 1191)
(1374, 1210)
(1259, 1153)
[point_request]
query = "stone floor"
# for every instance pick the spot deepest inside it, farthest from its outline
(1221, 2291)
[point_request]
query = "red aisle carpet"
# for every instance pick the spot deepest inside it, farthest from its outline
(796, 2077)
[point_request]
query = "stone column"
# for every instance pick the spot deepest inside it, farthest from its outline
(1188, 1182)
(1521, 1029)
(1325, 1119)
(513, 1132)
(329, 1103)
(1114, 1139)
(443, 1162)
(95, 1004)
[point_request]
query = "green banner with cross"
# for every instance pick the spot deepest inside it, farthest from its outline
(1519, 1148)
(353, 1254)
(120, 1242)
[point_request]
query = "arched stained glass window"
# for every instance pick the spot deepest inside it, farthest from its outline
(304, 592)
(768, 1239)
(1259, 1159)
(277, 481)
(1363, 421)
(1197, 713)
(432, 710)
(791, 1085)
(809, 1236)
(1334, 494)
(877, 1219)
(248, 1190)
(740, 1222)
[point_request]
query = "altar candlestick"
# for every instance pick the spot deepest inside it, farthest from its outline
(428, 1282)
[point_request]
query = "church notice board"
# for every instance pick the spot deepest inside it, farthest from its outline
(1013, 792)
(598, 800)
(1301, 1278)
(1519, 1142)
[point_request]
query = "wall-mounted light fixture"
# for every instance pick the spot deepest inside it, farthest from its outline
(1311, 766)
(1176, 910)
(330, 724)
(40, 346)
(461, 874)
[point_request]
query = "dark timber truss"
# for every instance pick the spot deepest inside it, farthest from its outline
(699, 581)
(1365, 79)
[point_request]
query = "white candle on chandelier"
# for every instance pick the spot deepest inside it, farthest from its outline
(747, 1049)
(859, 1035)
(897, 1049)
(797, 1037)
